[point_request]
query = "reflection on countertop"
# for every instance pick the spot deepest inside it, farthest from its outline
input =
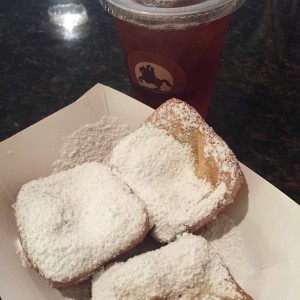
(68, 20)
(53, 51)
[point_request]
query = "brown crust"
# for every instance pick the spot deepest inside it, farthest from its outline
(240, 290)
(184, 123)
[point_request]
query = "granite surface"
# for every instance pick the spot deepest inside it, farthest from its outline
(256, 100)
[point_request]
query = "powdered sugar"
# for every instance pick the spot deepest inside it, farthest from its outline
(72, 222)
(81, 291)
(227, 239)
(21, 254)
(218, 149)
(158, 168)
(161, 171)
(187, 268)
(175, 112)
(91, 142)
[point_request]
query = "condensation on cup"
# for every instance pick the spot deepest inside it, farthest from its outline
(172, 47)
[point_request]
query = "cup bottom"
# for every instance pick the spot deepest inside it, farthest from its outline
(200, 101)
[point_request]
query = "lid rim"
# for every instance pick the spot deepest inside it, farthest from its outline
(198, 7)
(167, 16)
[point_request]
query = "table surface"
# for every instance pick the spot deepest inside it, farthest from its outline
(256, 99)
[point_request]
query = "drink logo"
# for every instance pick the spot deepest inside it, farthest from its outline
(155, 72)
(153, 76)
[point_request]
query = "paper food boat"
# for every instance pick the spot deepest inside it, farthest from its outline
(268, 220)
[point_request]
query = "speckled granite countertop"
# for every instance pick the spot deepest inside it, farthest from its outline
(256, 101)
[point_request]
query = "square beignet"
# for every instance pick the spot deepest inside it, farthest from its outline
(180, 168)
(188, 268)
(73, 222)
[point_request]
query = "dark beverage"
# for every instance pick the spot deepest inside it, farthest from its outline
(172, 48)
(178, 63)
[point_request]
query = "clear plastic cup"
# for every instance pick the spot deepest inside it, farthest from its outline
(172, 47)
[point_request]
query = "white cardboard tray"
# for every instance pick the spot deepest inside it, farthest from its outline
(268, 220)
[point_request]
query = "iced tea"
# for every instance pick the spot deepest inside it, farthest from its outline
(173, 63)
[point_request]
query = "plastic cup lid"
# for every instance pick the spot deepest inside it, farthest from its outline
(170, 14)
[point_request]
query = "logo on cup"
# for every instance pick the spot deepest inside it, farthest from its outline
(153, 76)
(156, 72)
